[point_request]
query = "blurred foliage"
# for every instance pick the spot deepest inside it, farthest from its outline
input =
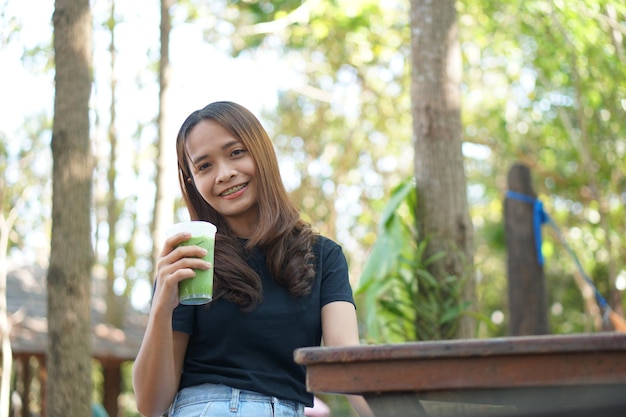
(402, 301)
(25, 165)
(546, 87)
(345, 128)
(544, 83)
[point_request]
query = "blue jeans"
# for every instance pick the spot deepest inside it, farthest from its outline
(213, 400)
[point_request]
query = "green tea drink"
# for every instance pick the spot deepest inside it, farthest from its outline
(199, 289)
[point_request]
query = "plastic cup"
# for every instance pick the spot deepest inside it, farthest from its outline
(198, 289)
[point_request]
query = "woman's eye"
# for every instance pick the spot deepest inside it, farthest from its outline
(238, 152)
(204, 166)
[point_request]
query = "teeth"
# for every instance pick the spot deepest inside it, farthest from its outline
(233, 190)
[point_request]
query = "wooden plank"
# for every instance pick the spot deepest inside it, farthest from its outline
(461, 373)
(595, 342)
(524, 372)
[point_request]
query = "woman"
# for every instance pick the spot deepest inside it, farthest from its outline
(278, 285)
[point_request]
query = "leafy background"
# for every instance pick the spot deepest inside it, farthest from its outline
(544, 84)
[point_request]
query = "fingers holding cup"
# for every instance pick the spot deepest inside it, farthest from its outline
(199, 288)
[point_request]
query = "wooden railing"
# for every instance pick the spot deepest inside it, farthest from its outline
(475, 377)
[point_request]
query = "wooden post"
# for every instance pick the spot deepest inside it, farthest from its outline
(27, 379)
(112, 386)
(42, 376)
(526, 282)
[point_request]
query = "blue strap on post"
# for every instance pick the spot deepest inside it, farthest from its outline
(539, 218)
(604, 305)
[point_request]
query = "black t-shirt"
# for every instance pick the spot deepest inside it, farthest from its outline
(254, 351)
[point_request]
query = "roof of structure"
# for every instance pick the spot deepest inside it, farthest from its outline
(27, 307)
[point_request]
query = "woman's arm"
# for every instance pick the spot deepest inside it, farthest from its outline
(339, 328)
(155, 378)
(158, 366)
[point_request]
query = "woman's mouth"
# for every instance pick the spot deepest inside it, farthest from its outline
(233, 190)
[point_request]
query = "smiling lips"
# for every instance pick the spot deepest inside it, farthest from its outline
(233, 190)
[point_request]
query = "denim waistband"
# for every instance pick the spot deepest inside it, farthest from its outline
(219, 392)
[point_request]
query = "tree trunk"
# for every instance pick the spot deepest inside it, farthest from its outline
(165, 173)
(442, 212)
(6, 225)
(526, 280)
(71, 255)
(116, 305)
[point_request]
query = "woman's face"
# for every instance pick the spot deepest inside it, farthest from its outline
(224, 174)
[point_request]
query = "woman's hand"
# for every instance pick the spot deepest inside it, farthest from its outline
(175, 263)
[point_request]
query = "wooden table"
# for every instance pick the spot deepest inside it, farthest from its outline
(511, 375)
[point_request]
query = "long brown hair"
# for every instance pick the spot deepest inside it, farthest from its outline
(281, 234)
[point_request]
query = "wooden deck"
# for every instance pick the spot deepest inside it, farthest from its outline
(501, 376)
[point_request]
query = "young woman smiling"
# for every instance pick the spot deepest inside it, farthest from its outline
(278, 285)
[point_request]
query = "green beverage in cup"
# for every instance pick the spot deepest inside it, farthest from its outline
(199, 289)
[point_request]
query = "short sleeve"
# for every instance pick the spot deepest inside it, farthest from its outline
(334, 270)
(183, 319)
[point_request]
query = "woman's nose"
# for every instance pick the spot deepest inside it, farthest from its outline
(226, 172)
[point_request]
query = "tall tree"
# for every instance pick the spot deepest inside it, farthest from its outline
(6, 223)
(9, 213)
(116, 305)
(442, 210)
(71, 254)
(164, 197)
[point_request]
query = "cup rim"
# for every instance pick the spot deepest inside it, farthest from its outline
(196, 227)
